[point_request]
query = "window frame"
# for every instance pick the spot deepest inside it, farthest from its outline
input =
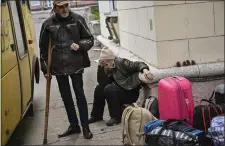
(48, 4)
(22, 28)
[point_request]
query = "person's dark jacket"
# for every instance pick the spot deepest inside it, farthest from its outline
(125, 73)
(63, 32)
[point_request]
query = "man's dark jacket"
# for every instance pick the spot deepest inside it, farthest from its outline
(125, 73)
(63, 32)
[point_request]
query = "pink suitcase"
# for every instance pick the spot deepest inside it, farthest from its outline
(175, 99)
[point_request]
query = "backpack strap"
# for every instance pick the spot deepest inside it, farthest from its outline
(135, 105)
(203, 118)
(127, 117)
(212, 96)
(123, 121)
(149, 102)
(140, 125)
(124, 118)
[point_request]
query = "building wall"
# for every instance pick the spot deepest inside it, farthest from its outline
(36, 5)
(164, 32)
(104, 7)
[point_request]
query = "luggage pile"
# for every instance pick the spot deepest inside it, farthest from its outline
(172, 119)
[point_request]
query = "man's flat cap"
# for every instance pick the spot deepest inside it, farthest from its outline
(60, 3)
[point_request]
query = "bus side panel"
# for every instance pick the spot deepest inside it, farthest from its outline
(11, 103)
(10, 81)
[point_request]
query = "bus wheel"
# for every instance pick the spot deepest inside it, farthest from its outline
(37, 71)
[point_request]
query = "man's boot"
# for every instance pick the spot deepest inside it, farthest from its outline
(87, 133)
(112, 122)
(70, 130)
(94, 119)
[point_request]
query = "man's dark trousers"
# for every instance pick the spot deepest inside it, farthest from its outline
(65, 91)
(115, 97)
(99, 102)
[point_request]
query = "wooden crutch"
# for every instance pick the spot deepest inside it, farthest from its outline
(48, 86)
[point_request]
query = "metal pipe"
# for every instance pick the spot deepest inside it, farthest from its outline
(193, 71)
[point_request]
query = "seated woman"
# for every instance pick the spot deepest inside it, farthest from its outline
(118, 83)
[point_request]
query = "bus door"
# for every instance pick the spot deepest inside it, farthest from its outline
(22, 52)
(10, 80)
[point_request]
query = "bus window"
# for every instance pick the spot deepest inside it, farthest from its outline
(18, 30)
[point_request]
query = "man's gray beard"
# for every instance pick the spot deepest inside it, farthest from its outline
(64, 15)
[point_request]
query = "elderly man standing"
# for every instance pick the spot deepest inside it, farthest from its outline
(71, 40)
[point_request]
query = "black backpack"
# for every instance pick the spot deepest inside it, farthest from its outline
(218, 94)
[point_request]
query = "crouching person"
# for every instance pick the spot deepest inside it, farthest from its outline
(118, 83)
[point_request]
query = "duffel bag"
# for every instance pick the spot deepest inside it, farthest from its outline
(172, 133)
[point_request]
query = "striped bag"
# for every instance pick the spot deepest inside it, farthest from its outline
(172, 133)
(216, 130)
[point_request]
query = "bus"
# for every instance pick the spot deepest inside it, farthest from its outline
(19, 65)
